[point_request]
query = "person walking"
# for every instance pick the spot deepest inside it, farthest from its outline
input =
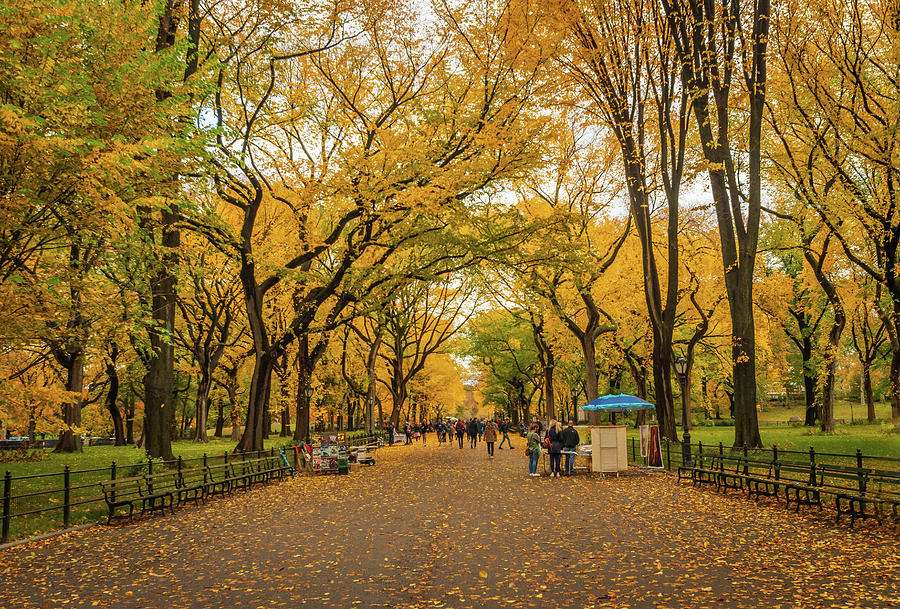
(424, 434)
(490, 436)
(554, 435)
(533, 449)
(480, 428)
(472, 430)
(504, 429)
(570, 440)
(460, 430)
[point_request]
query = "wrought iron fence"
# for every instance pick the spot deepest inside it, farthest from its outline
(42, 502)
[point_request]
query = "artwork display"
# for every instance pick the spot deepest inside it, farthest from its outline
(330, 454)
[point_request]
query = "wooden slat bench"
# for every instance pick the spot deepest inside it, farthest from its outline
(154, 492)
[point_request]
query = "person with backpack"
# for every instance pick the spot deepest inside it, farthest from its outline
(460, 430)
(570, 440)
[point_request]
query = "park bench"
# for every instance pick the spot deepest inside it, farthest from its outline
(704, 469)
(264, 469)
(826, 479)
(193, 484)
(224, 478)
(878, 488)
(154, 492)
(763, 479)
(243, 473)
(732, 472)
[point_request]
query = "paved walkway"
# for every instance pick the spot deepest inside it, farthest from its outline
(443, 527)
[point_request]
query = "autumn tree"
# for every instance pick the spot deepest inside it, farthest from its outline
(212, 323)
(501, 348)
(837, 135)
(575, 240)
(362, 166)
(417, 323)
(868, 337)
(722, 51)
(621, 55)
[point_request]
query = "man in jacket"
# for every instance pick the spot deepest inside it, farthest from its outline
(504, 429)
(570, 440)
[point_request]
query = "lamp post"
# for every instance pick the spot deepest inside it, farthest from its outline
(309, 393)
(680, 365)
(575, 405)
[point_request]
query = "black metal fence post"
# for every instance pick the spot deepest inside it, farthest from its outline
(7, 492)
(112, 476)
(775, 464)
(668, 457)
(746, 468)
(67, 487)
(861, 482)
(812, 465)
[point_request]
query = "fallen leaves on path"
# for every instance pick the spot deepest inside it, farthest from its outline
(443, 527)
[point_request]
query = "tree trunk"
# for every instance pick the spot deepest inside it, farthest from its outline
(159, 408)
(234, 411)
(70, 438)
(895, 388)
(304, 378)
(590, 367)
(129, 417)
(662, 382)
(746, 425)
(113, 395)
(371, 372)
(867, 392)
(809, 394)
(202, 410)
(220, 419)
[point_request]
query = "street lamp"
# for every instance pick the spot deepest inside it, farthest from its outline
(680, 366)
(575, 404)
(309, 393)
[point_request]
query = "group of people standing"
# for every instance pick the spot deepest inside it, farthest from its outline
(555, 441)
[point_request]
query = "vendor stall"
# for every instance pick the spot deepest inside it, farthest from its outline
(609, 448)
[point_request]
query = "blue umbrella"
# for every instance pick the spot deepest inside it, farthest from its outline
(618, 403)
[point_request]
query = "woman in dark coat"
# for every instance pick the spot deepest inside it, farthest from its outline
(554, 434)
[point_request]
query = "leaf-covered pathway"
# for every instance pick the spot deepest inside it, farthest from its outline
(443, 527)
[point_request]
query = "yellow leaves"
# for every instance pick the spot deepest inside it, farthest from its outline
(482, 574)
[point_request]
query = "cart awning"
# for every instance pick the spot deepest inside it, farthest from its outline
(618, 403)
